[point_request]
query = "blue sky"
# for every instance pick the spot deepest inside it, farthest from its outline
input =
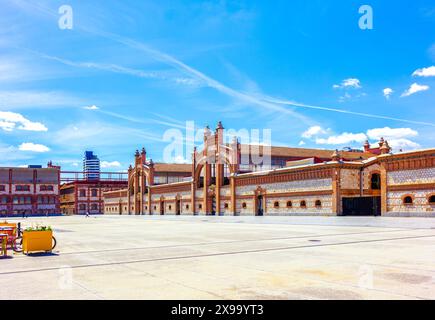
(303, 69)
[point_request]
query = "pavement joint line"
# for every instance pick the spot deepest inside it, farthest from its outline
(228, 242)
(212, 255)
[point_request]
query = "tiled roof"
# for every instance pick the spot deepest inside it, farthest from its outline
(311, 153)
(173, 167)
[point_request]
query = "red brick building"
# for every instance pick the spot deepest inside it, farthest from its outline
(31, 191)
(86, 196)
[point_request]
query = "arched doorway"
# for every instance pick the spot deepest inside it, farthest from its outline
(162, 208)
(259, 210)
(178, 207)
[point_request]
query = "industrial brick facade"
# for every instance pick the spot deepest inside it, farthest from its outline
(373, 182)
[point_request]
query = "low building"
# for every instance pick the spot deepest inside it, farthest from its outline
(86, 196)
(298, 181)
(31, 191)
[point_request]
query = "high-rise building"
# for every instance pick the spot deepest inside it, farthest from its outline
(91, 166)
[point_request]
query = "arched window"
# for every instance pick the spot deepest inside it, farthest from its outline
(407, 200)
(303, 204)
(244, 205)
(94, 206)
(375, 181)
(432, 199)
(289, 204)
(276, 204)
(318, 203)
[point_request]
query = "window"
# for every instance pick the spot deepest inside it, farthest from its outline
(226, 205)
(289, 204)
(318, 203)
(375, 181)
(94, 193)
(200, 206)
(407, 200)
(82, 193)
(244, 205)
(82, 206)
(46, 188)
(155, 207)
(276, 204)
(22, 188)
(170, 207)
(303, 204)
(94, 206)
(432, 199)
(187, 206)
(2, 188)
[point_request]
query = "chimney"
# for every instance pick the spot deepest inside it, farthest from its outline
(336, 156)
(366, 146)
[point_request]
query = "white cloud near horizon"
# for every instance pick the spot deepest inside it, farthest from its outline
(33, 147)
(108, 164)
(11, 120)
(312, 131)
(425, 72)
(414, 88)
(398, 138)
(389, 133)
(343, 138)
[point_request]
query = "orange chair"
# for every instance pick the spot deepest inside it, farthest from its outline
(11, 231)
(3, 244)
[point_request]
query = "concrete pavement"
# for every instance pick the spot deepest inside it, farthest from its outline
(143, 257)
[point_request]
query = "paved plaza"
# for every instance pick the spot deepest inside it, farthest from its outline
(153, 257)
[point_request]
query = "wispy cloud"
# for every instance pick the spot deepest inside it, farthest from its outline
(414, 88)
(353, 83)
(125, 70)
(368, 115)
(49, 99)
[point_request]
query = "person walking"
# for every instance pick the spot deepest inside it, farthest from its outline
(87, 214)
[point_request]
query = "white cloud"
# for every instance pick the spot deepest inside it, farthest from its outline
(425, 72)
(403, 144)
(11, 120)
(414, 88)
(301, 143)
(313, 131)
(344, 138)
(348, 83)
(388, 92)
(33, 147)
(113, 164)
(389, 133)
(93, 107)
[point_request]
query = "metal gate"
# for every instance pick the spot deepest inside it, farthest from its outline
(362, 206)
